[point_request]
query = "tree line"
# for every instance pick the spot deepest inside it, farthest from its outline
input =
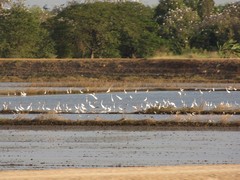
(114, 30)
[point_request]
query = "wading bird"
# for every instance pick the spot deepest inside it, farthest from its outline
(109, 89)
(119, 97)
(23, 94)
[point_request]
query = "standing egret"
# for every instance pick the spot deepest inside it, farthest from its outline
(92, 106)
(29, 108)
(112, 98)
(109, 89)
(228, 91)
(23, 94)
(94, 96)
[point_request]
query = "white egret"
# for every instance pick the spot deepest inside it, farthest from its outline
(109, 89)
(48, 109)
(120, 108)
(16, 109)
(114, 106)
(92, 106)
(94, 96)
(29, 108)
(21, 108)
(119, 97)
(83, 107)
(112, 98)
(23, 94)
(228, 91)
(5, 106)
(67, 108)
(135, 107)
(104, 107)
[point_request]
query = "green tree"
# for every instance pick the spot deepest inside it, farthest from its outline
(232, 20)
(164, 7)
(20, 33)
(230, 49)
(83, 30)
(191, 3)
(99, 30)
(219, 28)
(178, 28)
(138, 30)
(205, 8)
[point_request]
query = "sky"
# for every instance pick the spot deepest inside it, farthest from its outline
(52, 3)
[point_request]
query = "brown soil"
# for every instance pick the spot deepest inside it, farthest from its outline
(216, 172)
(117, 128)
(185, 70)
(120, 124)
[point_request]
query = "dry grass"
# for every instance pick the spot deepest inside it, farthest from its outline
(100, 71)
(197, 110)
(55, 120)
(196, 54)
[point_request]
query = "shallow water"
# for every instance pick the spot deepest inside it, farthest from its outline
(123, 103)
(120, 100)
(76, 149)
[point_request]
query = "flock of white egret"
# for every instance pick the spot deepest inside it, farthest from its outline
(113, 102)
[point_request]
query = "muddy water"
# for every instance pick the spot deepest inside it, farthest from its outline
(21, 149)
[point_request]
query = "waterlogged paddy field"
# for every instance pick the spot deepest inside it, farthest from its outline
(24, 148)
(77, 149)
(117, 105)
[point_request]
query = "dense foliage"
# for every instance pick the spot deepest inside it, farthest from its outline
(102, 30)
(130, 29)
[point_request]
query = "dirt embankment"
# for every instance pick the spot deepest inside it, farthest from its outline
(225, 172)
(185, 70)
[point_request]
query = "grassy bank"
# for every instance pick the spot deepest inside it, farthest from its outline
(119, 123)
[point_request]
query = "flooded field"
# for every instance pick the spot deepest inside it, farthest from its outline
(77, 149)
(123, 102)
(55, 148)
